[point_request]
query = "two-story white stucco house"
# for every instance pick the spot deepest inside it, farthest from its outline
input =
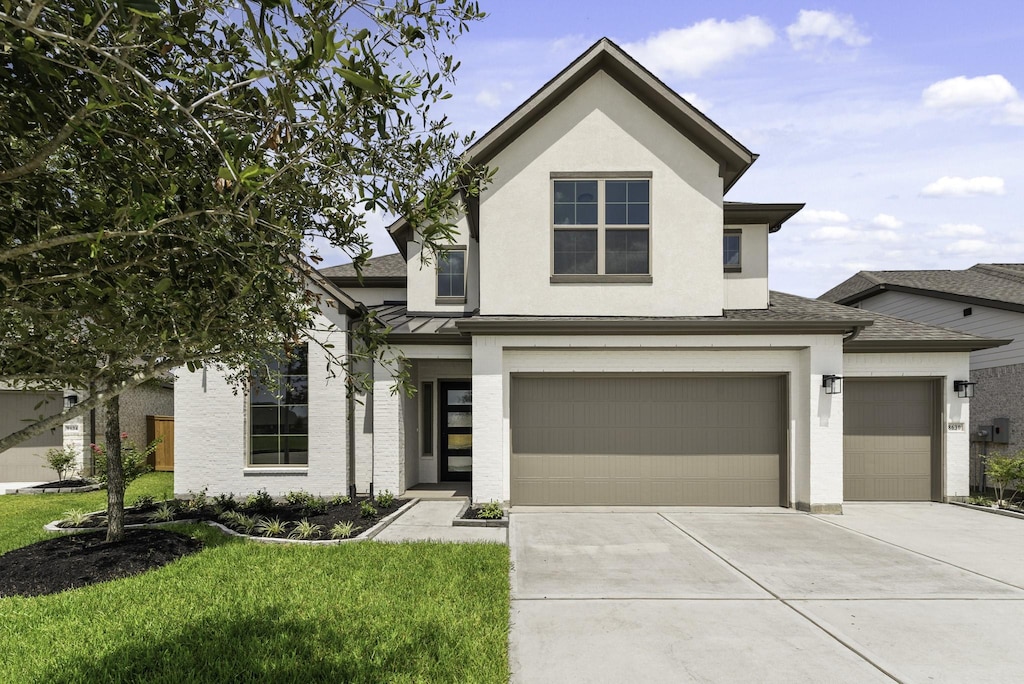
(602, 332)
(986, 299)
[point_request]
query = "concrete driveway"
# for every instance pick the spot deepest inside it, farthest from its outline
(904, 592)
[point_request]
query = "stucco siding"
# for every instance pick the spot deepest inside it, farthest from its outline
(748, 288)
(602, 128)
(984, 321)
(946, 367)
(422, 274)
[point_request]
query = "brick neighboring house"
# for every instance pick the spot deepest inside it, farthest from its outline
(601, 331)
(986, 299)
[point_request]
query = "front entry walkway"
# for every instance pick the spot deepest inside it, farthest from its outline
(905, 592)
(432, 521)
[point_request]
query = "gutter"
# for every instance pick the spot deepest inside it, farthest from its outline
(509, 326)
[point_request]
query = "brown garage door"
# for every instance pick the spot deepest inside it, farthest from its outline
(889, 443)
(648, 440)
(25, 463)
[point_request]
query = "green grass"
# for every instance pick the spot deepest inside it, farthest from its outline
(244, 611)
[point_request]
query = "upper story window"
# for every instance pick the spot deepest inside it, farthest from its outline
(732, 255)
(601, 228)
(451, 275)
(279, 411)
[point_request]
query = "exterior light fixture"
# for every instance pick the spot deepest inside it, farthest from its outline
(70, 400)
(833, 384)
(964, 388)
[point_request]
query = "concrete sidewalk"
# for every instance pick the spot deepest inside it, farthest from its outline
(905, 592)
(432, 520)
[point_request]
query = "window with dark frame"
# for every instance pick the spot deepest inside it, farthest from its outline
(279, 411)
(451, 274)
(732, 250)
(601, 226)
(427, 405)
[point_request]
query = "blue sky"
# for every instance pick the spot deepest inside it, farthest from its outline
(899, 124)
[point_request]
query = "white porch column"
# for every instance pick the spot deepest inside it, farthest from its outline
(388, 433)
(825, 434)
(491, 457)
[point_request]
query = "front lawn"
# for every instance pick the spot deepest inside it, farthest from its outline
(244, 611)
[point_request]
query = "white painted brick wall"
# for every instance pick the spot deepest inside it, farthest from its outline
(388, 433)
(211, 434)
(491, 455)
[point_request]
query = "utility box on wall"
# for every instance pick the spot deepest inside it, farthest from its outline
(1001, 430)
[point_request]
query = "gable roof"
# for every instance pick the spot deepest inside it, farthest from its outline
(1000, 286)
(388, 270)
(604, 55)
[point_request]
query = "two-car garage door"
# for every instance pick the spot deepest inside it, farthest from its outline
(24, 462)
(648, 440)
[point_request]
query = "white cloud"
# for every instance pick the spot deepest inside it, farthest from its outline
(967, 247)
(887, 221)
(697, 101)
(814, 27)
(486, 98)
(847, 234)
(821, 216)
(830, 233)
(1013, 113)
(957, 230)
(696, 49)
(969, 92)
(955, 186)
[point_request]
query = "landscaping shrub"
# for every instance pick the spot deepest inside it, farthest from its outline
(1006, 473)
(63, 461)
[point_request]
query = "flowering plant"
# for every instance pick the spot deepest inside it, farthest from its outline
(134, 462)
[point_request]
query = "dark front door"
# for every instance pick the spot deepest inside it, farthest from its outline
(456, 433)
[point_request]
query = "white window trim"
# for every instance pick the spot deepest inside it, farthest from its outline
(601, 227)
(250, 468)
(733, 268)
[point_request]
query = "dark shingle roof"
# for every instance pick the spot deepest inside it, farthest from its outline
(387, 266)
(995, 283)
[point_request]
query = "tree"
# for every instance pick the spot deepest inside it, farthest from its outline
(163, 168)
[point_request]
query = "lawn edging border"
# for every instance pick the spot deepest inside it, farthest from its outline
(362, 536)
(34, 491)
(989, 509)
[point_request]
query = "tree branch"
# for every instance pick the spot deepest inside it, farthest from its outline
(46, 150)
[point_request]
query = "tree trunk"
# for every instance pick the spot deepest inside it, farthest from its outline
(115, 472)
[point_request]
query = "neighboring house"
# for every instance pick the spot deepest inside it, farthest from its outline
(26, 463)
(986, 299)
(601, 331)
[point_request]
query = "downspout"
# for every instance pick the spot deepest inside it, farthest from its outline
(853, 335)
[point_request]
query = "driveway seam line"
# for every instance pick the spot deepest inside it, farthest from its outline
(781, 600)
(917, 553)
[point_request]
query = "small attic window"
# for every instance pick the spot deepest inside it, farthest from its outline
(732, 255)
(968, 311)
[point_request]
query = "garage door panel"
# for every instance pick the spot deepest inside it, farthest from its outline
(888, 447)
(26, 461)
(648, 440)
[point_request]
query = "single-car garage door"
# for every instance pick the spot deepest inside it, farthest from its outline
(25, 462)
(648, 440)
(889, 442)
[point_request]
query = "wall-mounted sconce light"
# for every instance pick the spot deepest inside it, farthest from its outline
(964, 388)
(70, 400)
(833, 384)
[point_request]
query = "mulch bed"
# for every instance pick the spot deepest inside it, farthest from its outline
(78, 560)
(288, 514)
(62, 484)
(473, 513)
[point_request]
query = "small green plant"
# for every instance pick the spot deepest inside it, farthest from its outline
(135, 462)
(63, 461)
(490, 511)
(228, 517)
(260, 502)
(164, 513)
(297, 498)
(195, 502)
(306, 530)
(224, 502)
(248, 524)
(144, 502)
(343, 530)
(340, 500)
(366, 509)
(978, 500)
(272, 527)
(74, 518)
(385, 498)
(1006, 472)
(315, 505)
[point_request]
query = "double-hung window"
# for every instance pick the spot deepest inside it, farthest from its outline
(601, 228)
(279, 411)
(732, 250)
